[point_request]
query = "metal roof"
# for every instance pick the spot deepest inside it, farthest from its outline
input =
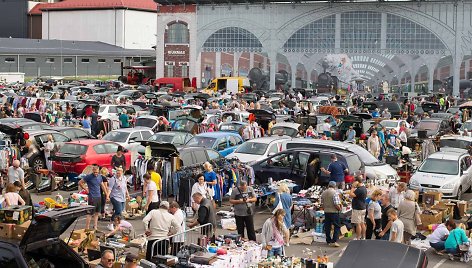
(217, 2)
(23, 46)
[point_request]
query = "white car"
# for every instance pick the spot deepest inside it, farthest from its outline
(257, 149)
(374, 169)
(447, 171)
(128, 138)
(394, 124)
(455, 141)
(113, 112)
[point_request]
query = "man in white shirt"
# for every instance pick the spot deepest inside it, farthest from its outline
(178, 240)
(159, 224)
(15, 173)
(397, 194)
(396, 231)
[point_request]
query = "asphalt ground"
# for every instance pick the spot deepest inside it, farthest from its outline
(434, 260)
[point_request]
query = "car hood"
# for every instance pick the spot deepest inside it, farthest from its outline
(246, 158)
(434, 179)
(52, 224)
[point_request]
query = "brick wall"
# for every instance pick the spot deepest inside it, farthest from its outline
(176, 54)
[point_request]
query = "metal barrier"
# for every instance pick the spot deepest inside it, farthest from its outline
(172, 244)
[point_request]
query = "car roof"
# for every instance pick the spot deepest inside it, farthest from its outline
(217, 134)
(456, 137)
(448, 155)
(336, 144)
(131, 130)
(268, 140)
(287, 124)
(322, 150)
(42, 132)
(89, 142)
(171, 133)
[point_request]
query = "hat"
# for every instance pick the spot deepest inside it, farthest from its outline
(332, 184)
(164, 204)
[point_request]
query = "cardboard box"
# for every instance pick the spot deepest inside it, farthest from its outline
(20, 230)
(436, 195)
(79, 234)
(431, 219)
(462, 208)
(6, 230)
(15, 214)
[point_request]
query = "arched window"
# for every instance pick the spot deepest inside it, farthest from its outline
(177, 33)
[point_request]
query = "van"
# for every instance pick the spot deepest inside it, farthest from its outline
(374, 169)
(175, 84)
(232, 85)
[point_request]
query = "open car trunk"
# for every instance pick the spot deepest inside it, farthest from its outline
(41, 241)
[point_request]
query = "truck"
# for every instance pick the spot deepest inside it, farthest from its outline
(10, 77)
(176, 84)
(230, 84)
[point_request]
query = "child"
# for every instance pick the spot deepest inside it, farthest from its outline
(396, 231)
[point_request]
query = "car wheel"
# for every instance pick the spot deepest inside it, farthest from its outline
(459, 193)
(38, 163)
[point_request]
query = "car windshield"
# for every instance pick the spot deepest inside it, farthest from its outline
(77, 149)
(162, 138)
(283, 131)
(427, 125)
(230, 127)
(252, 148)
(202, 142)
(461, 144)
(392, 106)
(116, 136)
(440, 166)
(389, 124)
(145, 122)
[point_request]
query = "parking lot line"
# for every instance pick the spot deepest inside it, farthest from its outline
(439, 263)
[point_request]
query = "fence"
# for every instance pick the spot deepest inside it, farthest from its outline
(171, 245)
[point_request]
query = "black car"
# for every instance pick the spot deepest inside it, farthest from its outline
(41, 242)
(393, 107)
(188, 155)
(294, 164)
(434, 127)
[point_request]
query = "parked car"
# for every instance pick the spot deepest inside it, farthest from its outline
(35, 155)
(374, 169)
(455, 141)
(42, 241)
(361, 123)
(113, 112)
(223, 142)
(285, 129)
(129, 137)
(258, 149)
(430, 107)
(173, 137)
(130, 94)
(446, 116)
(149, 121)
(75, 156)
(292, 164)
(372, 253)
(188, 155)
(394, 124)
(447, 171)
(74, 133)
(434, 127)
(393, 107)
(236, 127)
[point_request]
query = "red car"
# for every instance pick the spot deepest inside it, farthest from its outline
(75, 156)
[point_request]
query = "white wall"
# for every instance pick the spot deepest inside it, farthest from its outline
(125, 28)
(140, 29)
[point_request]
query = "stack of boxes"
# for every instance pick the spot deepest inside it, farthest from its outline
(14, 221)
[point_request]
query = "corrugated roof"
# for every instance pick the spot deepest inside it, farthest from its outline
(25, 46)
(148, 5)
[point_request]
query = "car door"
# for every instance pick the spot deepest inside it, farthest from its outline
(233, 143)
(59, 140)
(277, 167)
(101, 157)
(299, 168)
(466, 177)
(222, 146)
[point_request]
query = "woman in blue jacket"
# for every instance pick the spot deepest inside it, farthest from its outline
(456, 237)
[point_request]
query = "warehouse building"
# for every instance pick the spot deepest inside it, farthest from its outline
(36, 57)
